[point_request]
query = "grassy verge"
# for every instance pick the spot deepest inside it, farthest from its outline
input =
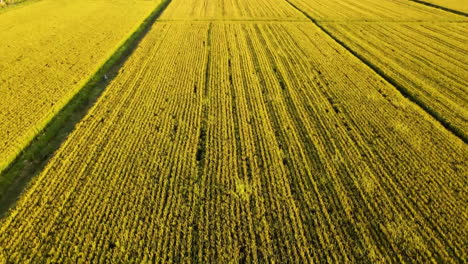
(35, 156)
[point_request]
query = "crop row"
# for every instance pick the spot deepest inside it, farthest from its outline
(371, 10)
(257, 142)
(223, 10)
(428, 60)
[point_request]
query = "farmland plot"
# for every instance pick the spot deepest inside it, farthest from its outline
(48, 50)
(372, 10)
(228, 10)
(458, 5)
(4, 3)
(429, 60)
(421, 49)
(246, 139)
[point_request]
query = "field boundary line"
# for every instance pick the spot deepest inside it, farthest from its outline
(446, 9)
(33, 158)
(403, 90)
(202, 143)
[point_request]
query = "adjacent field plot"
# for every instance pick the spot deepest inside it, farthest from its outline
(459, 5)
(5, 2)
(372, 10)
(412, 44)
(430, 60)
(48, 50)
(11, 1)
(231, 10)
(259, 142)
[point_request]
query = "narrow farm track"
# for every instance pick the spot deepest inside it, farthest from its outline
(240, 132)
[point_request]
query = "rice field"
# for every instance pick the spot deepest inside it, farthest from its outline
(428, 60)
(264, 132)
(48, 50)
(457, 5)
